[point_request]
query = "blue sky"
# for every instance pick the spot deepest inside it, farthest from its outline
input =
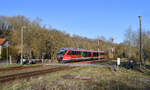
(89, 18)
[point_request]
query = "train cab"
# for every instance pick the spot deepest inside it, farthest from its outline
(60, 54)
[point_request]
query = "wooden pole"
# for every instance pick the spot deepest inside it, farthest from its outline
(140, 40)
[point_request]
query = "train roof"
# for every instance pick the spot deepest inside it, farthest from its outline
(79, 49)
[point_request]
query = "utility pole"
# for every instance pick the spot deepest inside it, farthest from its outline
(7, 52)
(112, 49)
(22, 44)
(98, 48)
(99, 43)
(140, 40)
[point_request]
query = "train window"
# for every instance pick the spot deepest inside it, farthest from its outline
(69, 53)
(95, 54)
(99, 53)
(61, 53)
(78, 52)
(86, 54)
(102, 53)
(89, 54)
(73, 52)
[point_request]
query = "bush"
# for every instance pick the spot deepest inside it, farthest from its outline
(3, 54)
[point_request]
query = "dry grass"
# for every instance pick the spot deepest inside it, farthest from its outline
(103, 78)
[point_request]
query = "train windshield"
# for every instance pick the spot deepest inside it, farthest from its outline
(61, 53)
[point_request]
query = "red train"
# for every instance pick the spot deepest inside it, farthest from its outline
(71, 54)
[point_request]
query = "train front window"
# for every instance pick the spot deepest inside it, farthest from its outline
(69, 53)
(61, 53)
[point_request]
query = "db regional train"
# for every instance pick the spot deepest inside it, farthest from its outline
(72, 54)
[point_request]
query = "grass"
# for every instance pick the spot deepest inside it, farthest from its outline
(9, 65)
(102, 78)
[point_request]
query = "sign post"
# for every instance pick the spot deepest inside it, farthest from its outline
(10, 60)
(118, 63)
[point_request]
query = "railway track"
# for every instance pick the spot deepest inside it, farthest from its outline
(18, 68)
(100, 61)
(40, 72)
(94, 61)
(32, 74)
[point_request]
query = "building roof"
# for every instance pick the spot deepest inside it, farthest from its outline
(2, 41)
